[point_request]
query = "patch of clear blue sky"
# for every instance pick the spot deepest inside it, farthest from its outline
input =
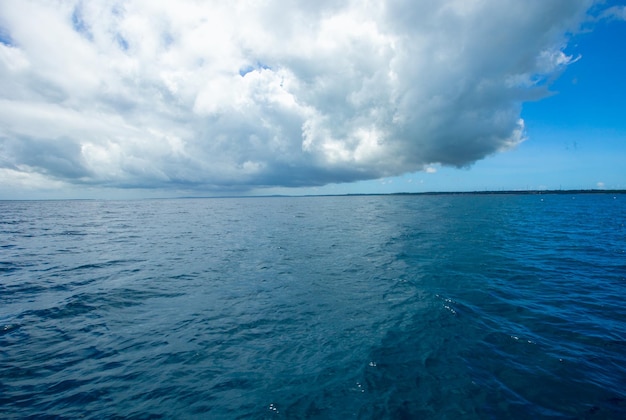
(5, 37)
(576, 136)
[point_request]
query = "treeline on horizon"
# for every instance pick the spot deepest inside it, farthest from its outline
(591, 191)
(500, 192)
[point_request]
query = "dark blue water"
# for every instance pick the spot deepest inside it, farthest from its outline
(473, 306)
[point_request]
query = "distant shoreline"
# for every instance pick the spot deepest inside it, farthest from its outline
(521, 192)
(495, 192)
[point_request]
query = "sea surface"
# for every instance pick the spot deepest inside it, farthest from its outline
(369, 307)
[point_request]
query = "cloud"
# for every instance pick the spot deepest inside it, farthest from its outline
(216, 95)
(614, 12)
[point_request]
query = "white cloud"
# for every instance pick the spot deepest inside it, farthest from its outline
(248, 94)
(615, 12)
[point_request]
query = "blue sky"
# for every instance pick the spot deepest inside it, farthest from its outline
(159, 99)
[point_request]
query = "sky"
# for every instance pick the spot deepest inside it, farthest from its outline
(134, 99)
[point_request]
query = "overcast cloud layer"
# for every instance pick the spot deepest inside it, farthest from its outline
(223, 95)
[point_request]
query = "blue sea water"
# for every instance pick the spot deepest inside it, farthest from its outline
(451, 306)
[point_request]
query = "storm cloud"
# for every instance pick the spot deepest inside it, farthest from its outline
(235, 95)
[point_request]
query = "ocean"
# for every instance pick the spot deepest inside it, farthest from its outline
(370, 307)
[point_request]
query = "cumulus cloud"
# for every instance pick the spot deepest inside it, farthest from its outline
(234, 95)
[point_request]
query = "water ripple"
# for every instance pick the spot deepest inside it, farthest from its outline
(328, 307)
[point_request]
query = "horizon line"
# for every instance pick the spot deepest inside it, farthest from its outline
(401, 193)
